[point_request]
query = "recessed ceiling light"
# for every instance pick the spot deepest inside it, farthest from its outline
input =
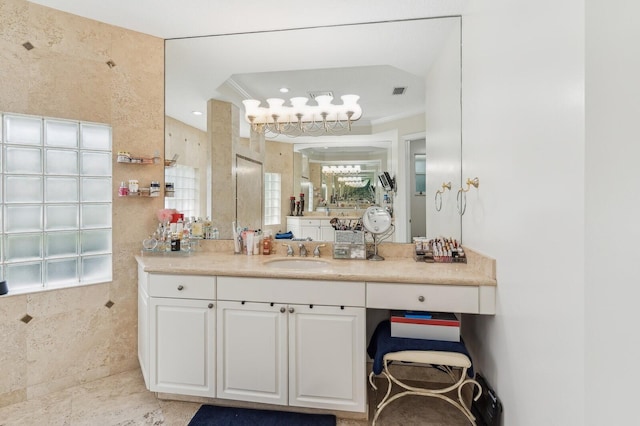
(284, 90)
(197, 113)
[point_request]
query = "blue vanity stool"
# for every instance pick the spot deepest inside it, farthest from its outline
(450, 357)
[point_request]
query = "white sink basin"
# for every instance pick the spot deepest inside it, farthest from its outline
(298, 263)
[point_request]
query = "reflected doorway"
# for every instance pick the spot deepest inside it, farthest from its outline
(417, 188)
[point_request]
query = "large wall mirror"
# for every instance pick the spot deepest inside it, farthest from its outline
(407, 74)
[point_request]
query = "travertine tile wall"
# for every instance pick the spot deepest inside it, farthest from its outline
(73, 337)
(279, 159)
(192, 147)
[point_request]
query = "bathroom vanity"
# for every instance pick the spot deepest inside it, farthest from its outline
(282, 331)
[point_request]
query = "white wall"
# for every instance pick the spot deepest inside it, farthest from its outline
(443, 142)
(523, 137)
(613, 213)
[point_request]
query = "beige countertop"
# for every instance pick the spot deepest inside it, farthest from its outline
(479, 271)
(323, 216)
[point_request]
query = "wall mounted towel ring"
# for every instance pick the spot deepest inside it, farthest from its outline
(462, 194)
(438, 199)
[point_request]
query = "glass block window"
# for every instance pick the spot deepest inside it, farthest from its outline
(272, 198)
(186, 185)
(55, 193)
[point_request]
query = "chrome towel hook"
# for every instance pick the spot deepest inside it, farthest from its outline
(461, 198)
(438, 198)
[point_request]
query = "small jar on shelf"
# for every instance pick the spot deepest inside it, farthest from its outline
(123, 191)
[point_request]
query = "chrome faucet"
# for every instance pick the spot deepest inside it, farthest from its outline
(289, 249)
(303, 250)
(316, 251)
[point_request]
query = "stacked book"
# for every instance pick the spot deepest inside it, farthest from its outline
(425, 325)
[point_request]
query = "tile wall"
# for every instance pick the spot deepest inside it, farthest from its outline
(73, 337)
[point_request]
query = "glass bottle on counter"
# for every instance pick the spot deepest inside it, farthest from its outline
(166, 237)
(185, 241)
(206, 228)
(175, 242)
(266, 243)
(196, 228)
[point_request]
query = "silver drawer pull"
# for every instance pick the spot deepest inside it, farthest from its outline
(210, 305)
(283, 310)
(180, 287)
(420, 298)
(291, 310)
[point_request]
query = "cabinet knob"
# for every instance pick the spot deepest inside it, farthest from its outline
(420, 298)
(291, 310)
(210, 305)
(180, 287)
(283, 310)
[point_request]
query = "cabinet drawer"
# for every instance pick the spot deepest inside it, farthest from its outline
(334, 293)
(423, 297)
(182, 286)
(310, 222)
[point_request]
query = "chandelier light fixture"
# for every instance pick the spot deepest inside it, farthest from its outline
(301, 119)
(341, 170)
(353, 181)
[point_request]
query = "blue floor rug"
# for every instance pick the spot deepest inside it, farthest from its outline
(211, 415)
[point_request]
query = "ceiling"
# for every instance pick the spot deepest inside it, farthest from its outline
(178, 18)
(345, 59)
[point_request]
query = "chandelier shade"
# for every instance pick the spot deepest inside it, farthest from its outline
(301, 119)
(341, 169)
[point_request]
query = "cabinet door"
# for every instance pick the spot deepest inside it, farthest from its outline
(182, 346)
(327, 233)
(143, 333)
(252, 352)
(293, 225)
(327, 357)
(310, 231)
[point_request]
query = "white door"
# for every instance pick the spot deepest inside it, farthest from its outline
(417, 188)
(252, 352)
(182, 351)
(327, 357)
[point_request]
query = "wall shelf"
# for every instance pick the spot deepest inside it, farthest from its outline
(124, 157)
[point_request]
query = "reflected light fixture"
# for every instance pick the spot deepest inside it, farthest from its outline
(341, 170)
(353, 181)
(301, 119)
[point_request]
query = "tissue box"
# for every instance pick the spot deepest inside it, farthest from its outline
(441, 326)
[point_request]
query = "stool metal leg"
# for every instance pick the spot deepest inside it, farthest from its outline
(436, 393)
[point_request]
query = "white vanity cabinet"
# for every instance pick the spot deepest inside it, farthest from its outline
(181, 339)
(327, 357)
(143, 323)
(252, 352)
(327, 233)
(303, 227)
(292, 342)
(431, 297)
(318, 229)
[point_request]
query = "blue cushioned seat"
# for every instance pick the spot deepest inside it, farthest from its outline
(382, 343)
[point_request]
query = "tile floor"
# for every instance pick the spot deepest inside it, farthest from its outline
(123, 400)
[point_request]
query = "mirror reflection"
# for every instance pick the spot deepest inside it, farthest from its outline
(207, 78)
